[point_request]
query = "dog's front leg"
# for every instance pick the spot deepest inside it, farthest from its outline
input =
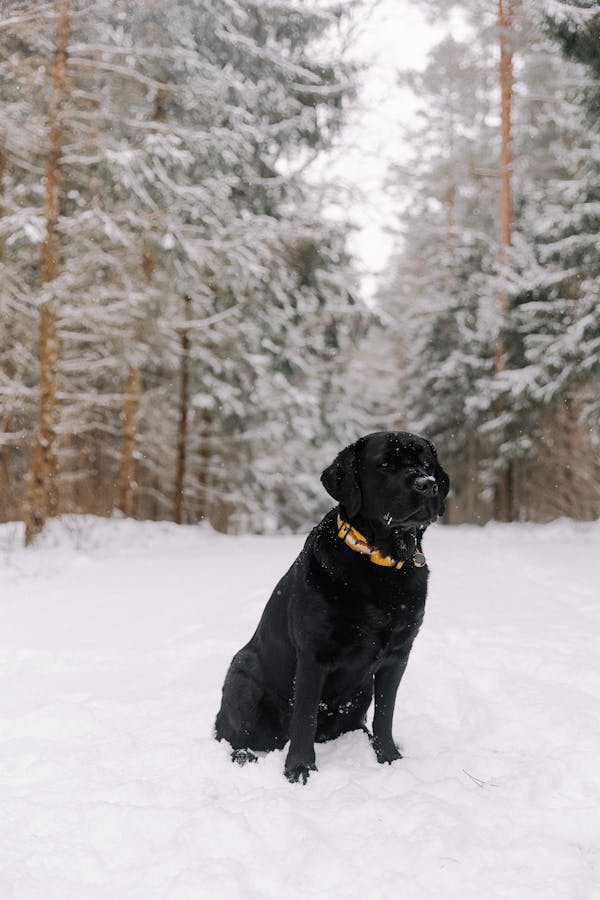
(387, 680)
(300, 760)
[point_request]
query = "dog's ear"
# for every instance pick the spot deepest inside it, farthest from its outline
(340, 479)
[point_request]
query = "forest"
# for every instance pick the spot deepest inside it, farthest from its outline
(183, 331)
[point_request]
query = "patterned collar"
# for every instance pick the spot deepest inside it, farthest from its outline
(358, 542)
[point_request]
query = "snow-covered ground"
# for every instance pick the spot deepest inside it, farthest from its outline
(114, 642)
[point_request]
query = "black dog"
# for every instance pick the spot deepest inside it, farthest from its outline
(340, 624)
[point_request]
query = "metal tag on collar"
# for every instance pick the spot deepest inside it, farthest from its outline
(419, 559)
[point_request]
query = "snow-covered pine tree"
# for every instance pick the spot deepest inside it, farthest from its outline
(277, 265)
(59, 143)
(42, 500)
(186, 132)
(21, 226)
(441, 278)
(570, 237)
(513, 408)
(553, 353)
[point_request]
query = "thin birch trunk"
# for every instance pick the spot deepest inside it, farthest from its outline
(504, 499)
(505, 214)
(2, 206)
(472, 487)
(204, 510)
(5, 474)
(131, 407)
(450, 235)
(43, 497)
(126, 482)
(182, 428)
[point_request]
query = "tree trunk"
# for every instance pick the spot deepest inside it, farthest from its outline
(126, 485)
(505, 25)
(205, 509)
(2, 208)
(4, 451)
(450, 234)
(43, 497)
(472, 504)
(5, 474)
(504, 492)
(182, 428)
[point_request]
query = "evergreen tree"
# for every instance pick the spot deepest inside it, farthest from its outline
(441, 289)
(505, 415)
(552, 377)
(570, 239)
(199, 294)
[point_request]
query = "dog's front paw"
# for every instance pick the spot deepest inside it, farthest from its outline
(385, 750)
(298, 772)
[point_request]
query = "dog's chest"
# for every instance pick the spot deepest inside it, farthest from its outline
(369, 631)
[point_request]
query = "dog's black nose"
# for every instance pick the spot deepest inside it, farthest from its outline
(425, 484)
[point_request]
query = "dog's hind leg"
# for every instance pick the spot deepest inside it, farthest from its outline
(236, 718)
(246, 719)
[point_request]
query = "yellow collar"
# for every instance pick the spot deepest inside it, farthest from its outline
(358, 542)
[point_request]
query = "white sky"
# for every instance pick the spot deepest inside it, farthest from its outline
(394, 36)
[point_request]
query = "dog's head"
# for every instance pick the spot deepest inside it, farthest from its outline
(389, 478)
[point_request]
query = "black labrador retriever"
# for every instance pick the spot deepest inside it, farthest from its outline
(340, 624)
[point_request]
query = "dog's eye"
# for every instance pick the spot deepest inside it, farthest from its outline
(383, 465)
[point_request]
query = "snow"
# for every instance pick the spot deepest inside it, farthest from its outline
(116, 636)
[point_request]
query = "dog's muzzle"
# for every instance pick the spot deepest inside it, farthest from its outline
(426, 485)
